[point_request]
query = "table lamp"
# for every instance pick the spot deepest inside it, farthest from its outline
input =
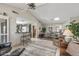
(68, 35)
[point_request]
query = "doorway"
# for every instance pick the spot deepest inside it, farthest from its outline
(34, 31)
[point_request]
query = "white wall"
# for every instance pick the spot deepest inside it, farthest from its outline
(14, 37)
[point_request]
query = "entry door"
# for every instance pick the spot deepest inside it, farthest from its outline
(4, 30)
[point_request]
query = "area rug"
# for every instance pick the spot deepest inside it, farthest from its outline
(40, 48)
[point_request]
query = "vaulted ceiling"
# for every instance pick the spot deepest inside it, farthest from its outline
(46, 12)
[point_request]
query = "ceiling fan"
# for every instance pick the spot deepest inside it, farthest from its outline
(31, 5)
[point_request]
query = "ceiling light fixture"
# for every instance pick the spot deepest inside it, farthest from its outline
(57, 18)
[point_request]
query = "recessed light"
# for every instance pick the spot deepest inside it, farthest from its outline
(57, 18)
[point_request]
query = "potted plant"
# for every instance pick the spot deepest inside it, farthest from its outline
(43, 29)
(74, 28)
(43, 32)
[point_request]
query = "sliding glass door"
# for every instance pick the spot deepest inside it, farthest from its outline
(4, 30)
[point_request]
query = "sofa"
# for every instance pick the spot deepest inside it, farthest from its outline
(5, 48)
(17, 52)
(73, 48)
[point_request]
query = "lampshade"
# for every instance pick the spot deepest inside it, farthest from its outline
(67, 32)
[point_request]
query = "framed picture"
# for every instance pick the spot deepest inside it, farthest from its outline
(23, 28)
